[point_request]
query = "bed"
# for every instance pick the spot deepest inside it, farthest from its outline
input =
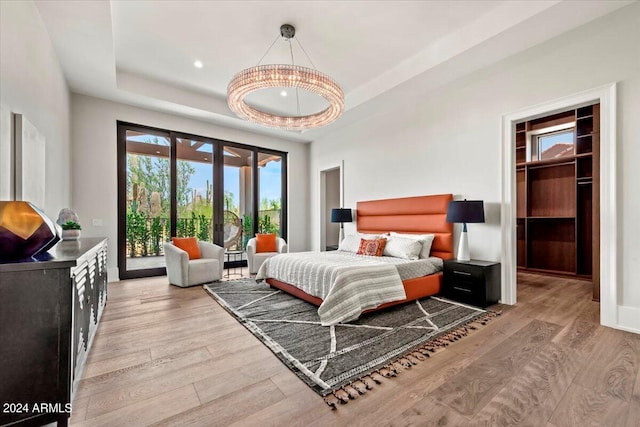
(410, 215)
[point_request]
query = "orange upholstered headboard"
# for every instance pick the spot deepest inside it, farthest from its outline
(411, 215)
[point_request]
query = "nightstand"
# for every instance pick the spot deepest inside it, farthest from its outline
(472, 282)
(331, 248)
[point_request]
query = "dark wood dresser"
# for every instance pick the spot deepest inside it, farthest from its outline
(49, 313)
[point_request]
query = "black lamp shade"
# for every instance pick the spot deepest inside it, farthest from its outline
(466, 211)
(341, 215)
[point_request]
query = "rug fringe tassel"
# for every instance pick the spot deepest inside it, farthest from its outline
(368, 382)
(376, 377)
(360, 386)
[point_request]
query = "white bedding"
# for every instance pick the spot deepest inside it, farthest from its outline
(347, 283)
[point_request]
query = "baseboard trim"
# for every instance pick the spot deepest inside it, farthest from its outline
(628, 319)
(113, 274)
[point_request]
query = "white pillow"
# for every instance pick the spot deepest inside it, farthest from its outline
(399, 247)
(372, 236)
(426, 239)
(351, 242)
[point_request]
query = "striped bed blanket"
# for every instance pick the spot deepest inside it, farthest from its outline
(347, 284)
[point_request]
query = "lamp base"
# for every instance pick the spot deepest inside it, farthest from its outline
(463, 247)
(341, 235)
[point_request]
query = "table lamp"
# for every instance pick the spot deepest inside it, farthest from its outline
(341, 215)
(465, 211)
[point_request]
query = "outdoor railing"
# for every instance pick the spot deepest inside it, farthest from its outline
(145, 235)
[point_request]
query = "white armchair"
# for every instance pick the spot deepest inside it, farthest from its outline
(184, 272)
(255, 260)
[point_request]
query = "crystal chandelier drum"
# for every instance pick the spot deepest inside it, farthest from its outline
(285, 76)
(280, 76)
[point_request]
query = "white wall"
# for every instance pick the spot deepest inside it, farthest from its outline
(448, 140)
(32, 84)
(94, 167)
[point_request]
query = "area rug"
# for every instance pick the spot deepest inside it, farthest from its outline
(343, 361)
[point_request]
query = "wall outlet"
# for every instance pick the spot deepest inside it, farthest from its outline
(97, 222)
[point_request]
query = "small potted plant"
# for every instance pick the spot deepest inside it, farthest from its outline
(70, 230)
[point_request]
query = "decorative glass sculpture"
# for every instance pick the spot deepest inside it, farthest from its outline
(24, 231)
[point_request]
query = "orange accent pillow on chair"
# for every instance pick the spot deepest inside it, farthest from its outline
(266, 243)
(187, 244)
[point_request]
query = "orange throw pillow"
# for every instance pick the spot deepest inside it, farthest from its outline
(189, 245)
(266, 243)
(373, 247)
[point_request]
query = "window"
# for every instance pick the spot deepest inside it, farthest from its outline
(556, 144)
(551, 143)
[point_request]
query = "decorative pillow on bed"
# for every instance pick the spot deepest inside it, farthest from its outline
(425, 239)
(374, 247)
(351, 242)
(400, 247)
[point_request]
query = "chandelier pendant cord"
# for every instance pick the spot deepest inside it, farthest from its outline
(265, 54)
(305, 53)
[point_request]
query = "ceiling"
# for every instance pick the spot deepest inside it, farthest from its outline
(142, 52)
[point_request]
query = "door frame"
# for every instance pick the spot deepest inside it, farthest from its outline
(121, 132)
(323, 198)
(606, 96)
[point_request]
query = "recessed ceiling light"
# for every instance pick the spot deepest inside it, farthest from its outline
(283, 93)
(198, 64)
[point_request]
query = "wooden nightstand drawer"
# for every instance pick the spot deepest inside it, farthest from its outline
(463, 271)
(465, 293)
(472, 282)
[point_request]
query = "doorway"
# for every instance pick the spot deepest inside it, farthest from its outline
(330, 198)
(606, 97)
(557, 189)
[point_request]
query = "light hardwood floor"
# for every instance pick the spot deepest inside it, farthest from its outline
(170, 356)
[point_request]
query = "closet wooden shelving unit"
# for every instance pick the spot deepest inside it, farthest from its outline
(557, 208)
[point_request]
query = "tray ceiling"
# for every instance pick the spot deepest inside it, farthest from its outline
(142, 52)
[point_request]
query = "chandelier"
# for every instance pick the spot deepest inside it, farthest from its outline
(285, 76)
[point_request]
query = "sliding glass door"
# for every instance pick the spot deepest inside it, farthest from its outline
(167, 187)
(147, 199)
(195, 196)
(238, 197)
(270, 197)
(174, 184)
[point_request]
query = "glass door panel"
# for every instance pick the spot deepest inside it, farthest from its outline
(238, 198)
(270, 213)
(174, 184)
(195, 189)
(148, 201)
